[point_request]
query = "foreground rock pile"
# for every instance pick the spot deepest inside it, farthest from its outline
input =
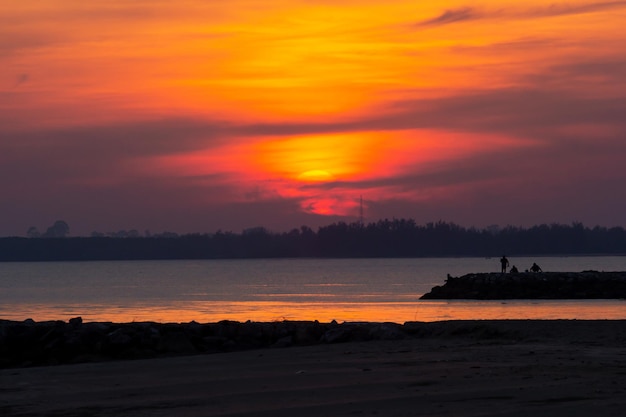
(31, 343)
(528, 285)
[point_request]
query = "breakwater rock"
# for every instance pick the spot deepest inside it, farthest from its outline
(30, 343)
(528, 285)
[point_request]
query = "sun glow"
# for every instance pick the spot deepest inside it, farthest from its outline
(327, 174)
(315, 175)
(208, 113)
(300, 158)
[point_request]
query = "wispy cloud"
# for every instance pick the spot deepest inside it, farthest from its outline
(466, 14)
(452, 16)
(21, 79)
(569, 9)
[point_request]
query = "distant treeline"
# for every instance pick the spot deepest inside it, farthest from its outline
(384, 238)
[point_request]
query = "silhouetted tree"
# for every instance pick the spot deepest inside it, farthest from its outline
(33, 232)
(58, 229)
(384, 238)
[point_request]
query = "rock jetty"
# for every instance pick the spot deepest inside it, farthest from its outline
(30, 343)
(529, 285)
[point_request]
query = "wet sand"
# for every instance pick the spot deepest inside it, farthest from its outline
(541, 368)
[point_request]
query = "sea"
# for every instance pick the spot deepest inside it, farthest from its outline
(264, 290)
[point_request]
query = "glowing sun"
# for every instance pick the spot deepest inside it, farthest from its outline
(316, 175)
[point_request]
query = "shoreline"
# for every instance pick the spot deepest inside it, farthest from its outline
(510, 368)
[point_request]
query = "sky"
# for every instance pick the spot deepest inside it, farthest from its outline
(205, 115)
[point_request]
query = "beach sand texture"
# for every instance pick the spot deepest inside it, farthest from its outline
(538, 368)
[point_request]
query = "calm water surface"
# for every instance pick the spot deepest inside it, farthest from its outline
(283, 289)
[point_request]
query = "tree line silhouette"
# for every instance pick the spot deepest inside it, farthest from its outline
(384, 238)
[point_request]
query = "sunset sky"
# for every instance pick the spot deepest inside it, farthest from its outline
(199, 115)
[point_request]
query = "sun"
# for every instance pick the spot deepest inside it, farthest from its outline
(316, 175)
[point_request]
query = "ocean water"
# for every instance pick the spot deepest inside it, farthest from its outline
(278, 289)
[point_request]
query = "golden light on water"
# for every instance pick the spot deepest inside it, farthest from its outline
(377, 290)
(269, 311)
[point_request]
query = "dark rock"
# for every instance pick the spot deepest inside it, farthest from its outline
(213, 344)
(176, 342)
(56, 342)
(119, 337)
(336, 335)
(387, 331)
(284, 342)
(347, 332)
(76, 321)
(307, 333)
(543, 285)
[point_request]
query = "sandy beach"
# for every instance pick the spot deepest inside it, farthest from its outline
(495, 368)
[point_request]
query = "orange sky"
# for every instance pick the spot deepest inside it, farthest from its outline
(201, 115)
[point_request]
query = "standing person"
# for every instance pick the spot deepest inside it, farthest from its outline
(505, 263)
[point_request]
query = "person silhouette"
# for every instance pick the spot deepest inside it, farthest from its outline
(504, 263)
(513, 270)
(535, 268)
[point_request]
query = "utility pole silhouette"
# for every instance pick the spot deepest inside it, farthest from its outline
(361, 210)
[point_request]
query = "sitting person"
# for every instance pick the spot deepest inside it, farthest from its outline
(513, 270)
(535, 268)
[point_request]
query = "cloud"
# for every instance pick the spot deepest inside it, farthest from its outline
(559, 168)
(548, 117)
(96, 155)
(513, 111)
(602, 73)
(589, 91)
(452, 16)
(150, 136)
(524, 44)
(510, 110)
(464, 14)
(568, 9)
(553, 114)
(561, 180)
(21, 79)
(13, 41)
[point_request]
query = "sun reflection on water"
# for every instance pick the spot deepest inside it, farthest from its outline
(268, 311)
